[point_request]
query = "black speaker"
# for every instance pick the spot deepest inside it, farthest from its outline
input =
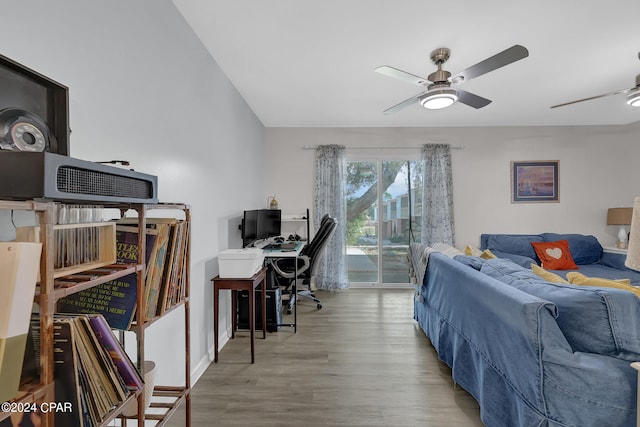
(274, 309)
(44, 175)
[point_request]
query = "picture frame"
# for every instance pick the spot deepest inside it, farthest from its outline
(535, 181)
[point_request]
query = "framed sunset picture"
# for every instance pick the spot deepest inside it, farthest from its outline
(534, 181)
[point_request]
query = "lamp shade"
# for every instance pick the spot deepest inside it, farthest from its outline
(619, 216)
(633, 252)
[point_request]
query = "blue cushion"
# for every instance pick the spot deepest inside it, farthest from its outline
(474, 262)
(507, 271)
(518, 244)
(584, 249)
(523, 261)
(594, 320)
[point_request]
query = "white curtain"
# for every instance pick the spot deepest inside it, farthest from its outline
(437, 195)
(329, 198)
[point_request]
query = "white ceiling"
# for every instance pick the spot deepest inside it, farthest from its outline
(304, 63)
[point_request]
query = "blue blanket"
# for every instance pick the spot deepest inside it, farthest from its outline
(505, 347)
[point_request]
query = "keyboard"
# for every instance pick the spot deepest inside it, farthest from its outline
(277, 246)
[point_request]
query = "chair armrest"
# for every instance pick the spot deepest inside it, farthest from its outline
(290, 274)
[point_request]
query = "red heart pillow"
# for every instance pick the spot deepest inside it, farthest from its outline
(555, 255)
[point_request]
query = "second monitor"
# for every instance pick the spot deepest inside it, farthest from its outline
(259, 224)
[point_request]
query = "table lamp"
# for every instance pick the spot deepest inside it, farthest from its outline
(633, 253)
(621, 217)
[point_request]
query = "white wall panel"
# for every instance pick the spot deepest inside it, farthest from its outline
(597, 171)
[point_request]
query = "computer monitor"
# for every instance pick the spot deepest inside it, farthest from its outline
(259, 224)
(249, 227)
(269, 223)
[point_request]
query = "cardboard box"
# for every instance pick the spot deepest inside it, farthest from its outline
(240, 263)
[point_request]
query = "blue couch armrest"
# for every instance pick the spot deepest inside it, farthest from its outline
(614, 260)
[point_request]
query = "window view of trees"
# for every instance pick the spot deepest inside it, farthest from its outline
(383, 216)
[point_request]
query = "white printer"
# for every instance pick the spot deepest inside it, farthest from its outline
(240, 263)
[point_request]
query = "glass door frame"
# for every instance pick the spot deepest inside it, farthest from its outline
(379, 158)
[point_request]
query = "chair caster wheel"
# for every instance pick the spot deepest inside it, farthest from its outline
(319, 306)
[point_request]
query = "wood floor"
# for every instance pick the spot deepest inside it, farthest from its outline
(360, 361)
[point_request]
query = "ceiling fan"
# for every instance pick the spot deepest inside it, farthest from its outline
(439, 93)
(633, 95)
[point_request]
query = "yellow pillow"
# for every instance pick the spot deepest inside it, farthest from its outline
(547, 275)
(487, 254)
(576, 278)
(471, 251)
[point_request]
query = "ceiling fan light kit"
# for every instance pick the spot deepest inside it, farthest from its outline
(633, 98)
(438, 98)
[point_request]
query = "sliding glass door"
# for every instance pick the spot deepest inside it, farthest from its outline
(383, 217)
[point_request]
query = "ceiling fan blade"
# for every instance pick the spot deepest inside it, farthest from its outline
(403, 104)
(401, 75)
(506, 57)
(471, 99)
(616, 92)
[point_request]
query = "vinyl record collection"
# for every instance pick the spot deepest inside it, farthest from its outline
(92, 370)
(77, 245)
(167, 242)
(93, 374)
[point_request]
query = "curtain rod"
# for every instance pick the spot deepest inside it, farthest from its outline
(313, 147)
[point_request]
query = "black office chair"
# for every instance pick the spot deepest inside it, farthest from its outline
(285, 269)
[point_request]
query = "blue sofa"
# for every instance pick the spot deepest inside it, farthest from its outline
(586, 251)
(532, 353)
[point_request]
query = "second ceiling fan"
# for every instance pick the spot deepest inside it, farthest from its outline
(439, 93)
(633, 95)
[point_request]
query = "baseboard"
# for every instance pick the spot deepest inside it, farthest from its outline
(205, 361)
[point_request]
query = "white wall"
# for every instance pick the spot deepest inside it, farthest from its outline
(144, 89)
(597, 171)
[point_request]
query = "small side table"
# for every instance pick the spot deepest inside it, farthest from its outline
(241, 284)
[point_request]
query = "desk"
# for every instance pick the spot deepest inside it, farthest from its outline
(241, 284)
(289, 253)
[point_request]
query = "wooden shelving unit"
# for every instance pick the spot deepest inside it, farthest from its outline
(41, 389)
(47, 294)
(169, 397)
